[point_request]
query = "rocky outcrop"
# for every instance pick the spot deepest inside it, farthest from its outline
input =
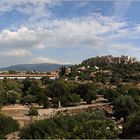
(106, 60)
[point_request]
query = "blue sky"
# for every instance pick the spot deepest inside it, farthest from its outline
(67, 31)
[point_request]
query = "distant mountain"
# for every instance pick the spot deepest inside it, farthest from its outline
(37, 67)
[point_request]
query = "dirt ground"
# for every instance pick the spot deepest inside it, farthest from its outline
(19, 112)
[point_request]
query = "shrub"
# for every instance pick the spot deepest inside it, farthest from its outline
(33, 112)
(7, 125)
(132, 126)
(70, 100)
(90, 97)
(123, 106)
(46, 103)
(67, 100)
(85, 125)
(110, 94)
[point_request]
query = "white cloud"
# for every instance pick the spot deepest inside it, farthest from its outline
(34, 9)
(96, 32)
(80, 31)
(124, 49)
(10, 5)
(22, 38)
(17, 53)
(46, 60)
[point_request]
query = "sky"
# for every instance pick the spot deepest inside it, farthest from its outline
(67, 31)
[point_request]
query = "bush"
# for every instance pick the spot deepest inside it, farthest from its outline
(95, 129)
(110, 94)
(33, 112)
(89, 97)
(7, 125)
(123, 106)
(46, 103)
(85, 125)
(86, 92)
(70, 100)
(67, 100)
(132, 126)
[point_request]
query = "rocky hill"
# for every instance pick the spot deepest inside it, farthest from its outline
(109, 59)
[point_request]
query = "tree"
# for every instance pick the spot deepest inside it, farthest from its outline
(46, 102)
(12, 72)
(57, 89)
(132, 127)
(3, 97)
(134, 93)
(26, 84)
(31, 91)
(123, 106)
(45, 80)
(86, 92)
(28, 99)
(10, 84)
(70, 100)
(13, 97)
(110, 94)
(89, 97)
(62, 71)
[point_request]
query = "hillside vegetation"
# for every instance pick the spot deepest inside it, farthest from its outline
(116, 82)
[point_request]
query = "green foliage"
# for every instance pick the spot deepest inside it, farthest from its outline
(88, 125)
(57, 89)
(110, 94)
(46, 80)
(133, 92)
(33, 112)
(86, 92)
(70, 100)
(9, 92)
(12, 72)
(13, 97)
(7, 125)
(10, 84)
(115, 79)
(123, 106)
(28, 99)
(3, 99)
(30, 87)
(90, 97)
(46, 103)
(62, 71)
(26, 84)
(32, 91)
(95, 129)
(132, 127)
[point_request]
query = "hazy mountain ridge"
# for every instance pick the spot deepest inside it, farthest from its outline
(37, 67)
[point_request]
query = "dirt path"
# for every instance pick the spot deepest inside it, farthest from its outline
(52, 111)
(19, 112)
